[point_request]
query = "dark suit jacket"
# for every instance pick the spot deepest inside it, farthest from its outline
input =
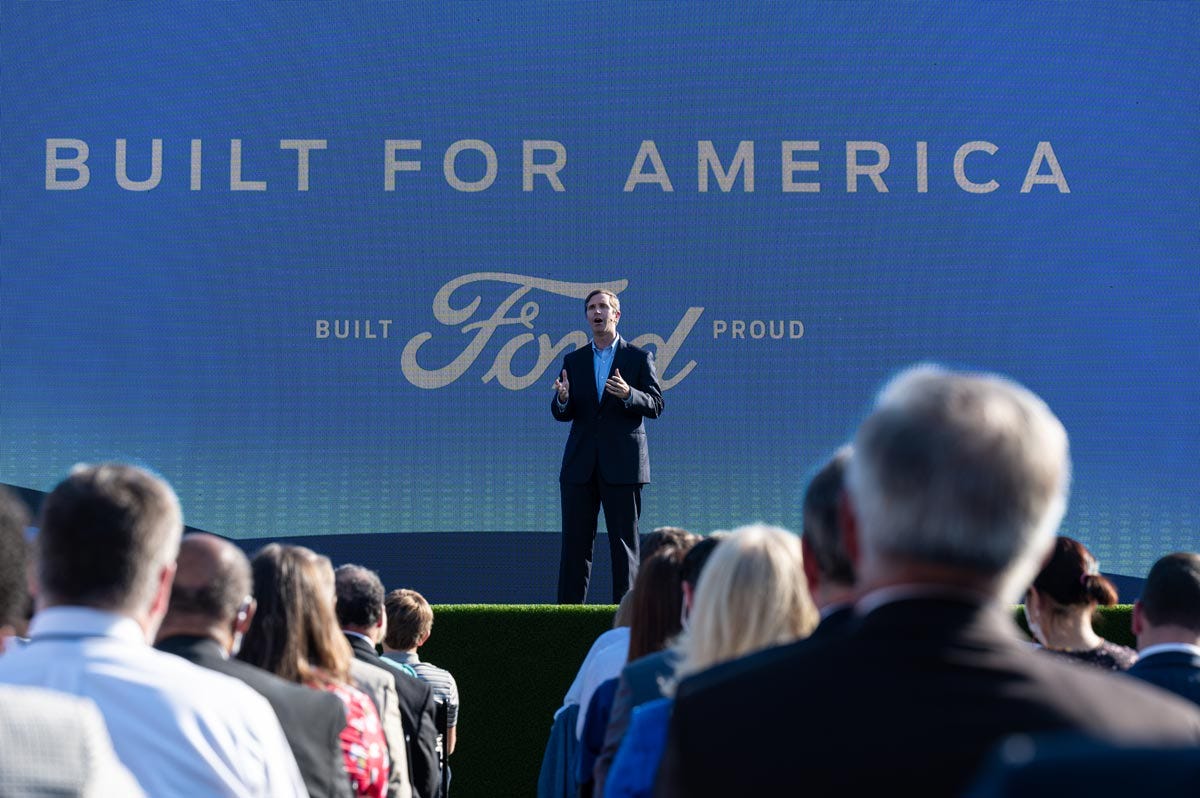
(1177, 671)
(420, 723)
(606, 434)
(907, 702)
(311, 719)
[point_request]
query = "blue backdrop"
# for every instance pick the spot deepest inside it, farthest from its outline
(317, 263)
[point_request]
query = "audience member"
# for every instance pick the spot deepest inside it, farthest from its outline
(294, 634)
(643, 679)
(409, 625)
(1166, 621)
(50, 743)
(656, 619)
(675, 536)
(611, 642)
(13, 520)
(105, 561)
(360, 611)
(752, 595)
(1060, 604)
(827, 565)
(955, 489)
(210, 610)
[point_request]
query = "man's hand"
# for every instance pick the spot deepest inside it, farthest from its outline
(563, 386)
(616, 385)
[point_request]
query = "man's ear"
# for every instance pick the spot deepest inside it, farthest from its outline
(162, 591)
(424, 637)
(811, 572)
(1137, 621)
(241, 622)
(847, 520)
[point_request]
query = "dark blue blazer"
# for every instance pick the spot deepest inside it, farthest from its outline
(606, 434)
(926, 686)
(1177, 671)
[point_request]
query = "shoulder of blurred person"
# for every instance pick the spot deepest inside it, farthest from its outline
(57, 744)
(1050, 766)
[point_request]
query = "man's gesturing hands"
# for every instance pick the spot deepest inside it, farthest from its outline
(563, 386)
(616, 385)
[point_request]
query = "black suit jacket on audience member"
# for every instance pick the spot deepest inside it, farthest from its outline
(1177, 671)
(311, 719)
(908, 701)
(605, 434)
(420, 722)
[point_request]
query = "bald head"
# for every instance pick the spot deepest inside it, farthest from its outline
(212, 582)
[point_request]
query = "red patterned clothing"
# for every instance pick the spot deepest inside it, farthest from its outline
(364, 749)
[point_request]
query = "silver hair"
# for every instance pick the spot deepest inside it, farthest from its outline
(963, 470)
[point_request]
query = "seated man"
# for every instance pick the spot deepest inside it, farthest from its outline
(50, 743)
(211, 608)
(360, 612)
(106, 559)
(1166, 621)
(955, 491)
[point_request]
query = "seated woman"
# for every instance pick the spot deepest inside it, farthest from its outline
(295, 635)
(752, 595)
(1060, 605)
(655, 619)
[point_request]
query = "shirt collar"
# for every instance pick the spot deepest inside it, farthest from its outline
(1163, 648)
(610, 348)
(407, 657)
(877, 598)
(86, 622)
(359, 635)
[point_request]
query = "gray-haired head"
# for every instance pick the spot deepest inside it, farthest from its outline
(963, 471)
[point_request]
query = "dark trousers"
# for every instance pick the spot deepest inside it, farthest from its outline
(580, 511)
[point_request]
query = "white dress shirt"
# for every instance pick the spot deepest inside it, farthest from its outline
(180, 729)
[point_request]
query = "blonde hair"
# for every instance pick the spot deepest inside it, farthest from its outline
(752, 594)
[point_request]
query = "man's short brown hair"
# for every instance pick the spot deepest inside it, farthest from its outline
(106, 531)
(614, 301)
(409, 619)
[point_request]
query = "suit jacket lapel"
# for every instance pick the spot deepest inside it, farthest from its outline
(591, 374)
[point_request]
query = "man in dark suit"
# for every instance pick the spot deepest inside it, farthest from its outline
(210, 609)
(605, 390)
(955, 490)
(360, 611)
(1166, 621)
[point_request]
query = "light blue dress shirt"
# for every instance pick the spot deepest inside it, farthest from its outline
(180, 729)
(602, 362)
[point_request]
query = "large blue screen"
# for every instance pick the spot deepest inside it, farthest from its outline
(318, 263)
